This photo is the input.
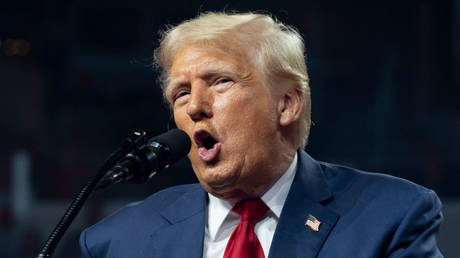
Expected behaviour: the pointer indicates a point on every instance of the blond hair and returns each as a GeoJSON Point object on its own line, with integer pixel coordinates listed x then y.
{"type": "Point", "coordinates": [277, 49]}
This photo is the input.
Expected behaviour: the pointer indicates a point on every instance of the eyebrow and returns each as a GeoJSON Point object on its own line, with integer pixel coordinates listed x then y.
{"type": "Point", "coordinates": [218, 69]}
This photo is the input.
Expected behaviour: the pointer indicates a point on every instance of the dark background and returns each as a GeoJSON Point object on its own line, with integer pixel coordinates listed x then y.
{"type": "Point", "coordinates": [76, 79]}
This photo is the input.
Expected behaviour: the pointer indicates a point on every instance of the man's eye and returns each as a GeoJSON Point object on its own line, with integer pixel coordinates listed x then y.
{"type": "Point", "coordinates": [180, 94]}
{"type": "Point", "coordinates": [223, 80]}
{"type": "Point", "coordinates": [223, 83]}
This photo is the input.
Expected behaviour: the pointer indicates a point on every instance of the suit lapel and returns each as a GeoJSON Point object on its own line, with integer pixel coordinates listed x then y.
{"type": "Point", "coordinates": [308, 191]}
{"type": "Point", "coordinates": [183, 235]}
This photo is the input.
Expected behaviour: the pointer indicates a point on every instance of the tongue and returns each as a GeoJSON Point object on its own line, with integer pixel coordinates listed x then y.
{"type": "Point", "coordinates": [208, 155]}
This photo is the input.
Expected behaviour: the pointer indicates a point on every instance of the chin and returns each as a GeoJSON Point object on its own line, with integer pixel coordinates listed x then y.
{"type": "Point", "coordinates": [217, 181]}
{"type": "Point", "coordinates": [231, 194]}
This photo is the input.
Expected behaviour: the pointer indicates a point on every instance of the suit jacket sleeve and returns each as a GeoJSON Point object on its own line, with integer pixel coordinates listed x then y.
{"type": "Point", "coordinates": [416, 235]}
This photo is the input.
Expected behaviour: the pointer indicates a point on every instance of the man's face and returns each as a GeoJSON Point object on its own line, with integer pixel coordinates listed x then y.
{"type": "Point", "coordinates": [219, 99]}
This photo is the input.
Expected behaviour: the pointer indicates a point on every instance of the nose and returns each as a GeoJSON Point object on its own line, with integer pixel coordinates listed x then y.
{"type": "Point", "coordinates": [200, 103]}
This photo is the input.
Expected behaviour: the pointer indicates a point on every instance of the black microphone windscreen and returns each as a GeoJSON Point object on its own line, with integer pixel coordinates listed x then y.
{"type": "Point", "coordinates": [177, 141]}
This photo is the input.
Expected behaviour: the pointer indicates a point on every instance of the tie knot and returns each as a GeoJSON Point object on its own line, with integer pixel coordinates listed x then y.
{"type": "Point", "coordinates": [250, 210]}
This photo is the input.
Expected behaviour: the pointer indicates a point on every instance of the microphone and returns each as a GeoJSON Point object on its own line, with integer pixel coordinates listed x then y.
{"type": "Point", "coordinates": [143, 163]}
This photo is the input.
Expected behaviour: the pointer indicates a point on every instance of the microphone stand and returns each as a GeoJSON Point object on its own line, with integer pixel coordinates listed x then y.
{"type": "Point", "coordinates": [134, 141]}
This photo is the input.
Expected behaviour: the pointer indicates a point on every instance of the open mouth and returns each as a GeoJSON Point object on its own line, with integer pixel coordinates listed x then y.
{"type": "Point", "coordinates": [204, 139]}
{"type": "Point", "coordinates": [208, 145]}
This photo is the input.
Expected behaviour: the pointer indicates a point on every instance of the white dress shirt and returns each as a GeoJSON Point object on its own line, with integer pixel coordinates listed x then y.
{"type": "Point", "coordinates": [221, 220]}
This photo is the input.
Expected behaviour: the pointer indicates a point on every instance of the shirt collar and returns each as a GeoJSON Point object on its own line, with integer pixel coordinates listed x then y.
{"type": "Point", "coordinates": [274, 198]}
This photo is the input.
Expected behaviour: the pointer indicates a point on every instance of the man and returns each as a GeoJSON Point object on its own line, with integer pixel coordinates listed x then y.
{"type": "Point", "coordinates": [238, 86]}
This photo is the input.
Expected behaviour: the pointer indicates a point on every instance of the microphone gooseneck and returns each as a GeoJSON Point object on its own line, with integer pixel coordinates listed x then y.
{"type": "Point", "coordinates": [136, 160]}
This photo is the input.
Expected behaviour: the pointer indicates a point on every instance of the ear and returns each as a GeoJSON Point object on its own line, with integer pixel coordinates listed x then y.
{"type": "Point", "coordinates": [290, 106]}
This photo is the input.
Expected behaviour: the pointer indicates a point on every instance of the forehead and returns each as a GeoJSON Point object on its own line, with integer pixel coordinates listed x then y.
{"type": "Point", "coordinates": [192, 59]}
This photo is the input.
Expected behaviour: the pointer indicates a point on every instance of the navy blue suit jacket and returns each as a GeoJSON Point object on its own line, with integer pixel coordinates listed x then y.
{"type": "Point", "coordinates": [361, 214]}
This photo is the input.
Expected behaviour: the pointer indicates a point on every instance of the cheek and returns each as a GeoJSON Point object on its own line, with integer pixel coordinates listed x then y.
{"type": "Point", "coordinates": [183, 122]}
{"type": "Point", "coordinates": [231, 114]}
{"type": "Point", "coordinates": [245, 118]}
{"type": "Point", "coordinates": [180, 119]}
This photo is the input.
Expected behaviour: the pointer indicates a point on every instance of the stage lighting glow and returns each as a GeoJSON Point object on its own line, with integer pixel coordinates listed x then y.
{"type": "Point", "coordinates": [16, 47]}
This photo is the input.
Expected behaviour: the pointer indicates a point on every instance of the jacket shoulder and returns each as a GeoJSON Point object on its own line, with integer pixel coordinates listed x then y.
{"type": "Point", "coordinates": [156, 202]}
{"type": "Point", "coordinates": [133, 223]}
{"type": "Point", "coordinates": [395, 217]}
{"type": "Point", "coordinates": [343, 180]}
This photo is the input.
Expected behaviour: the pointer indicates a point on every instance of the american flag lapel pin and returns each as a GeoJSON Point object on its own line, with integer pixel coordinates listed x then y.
{"type": "Point", "coordinates": [313, 223]}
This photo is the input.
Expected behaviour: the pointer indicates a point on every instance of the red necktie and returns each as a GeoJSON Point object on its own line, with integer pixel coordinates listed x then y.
{"type": "Point", "coordinates": [243, 242]}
